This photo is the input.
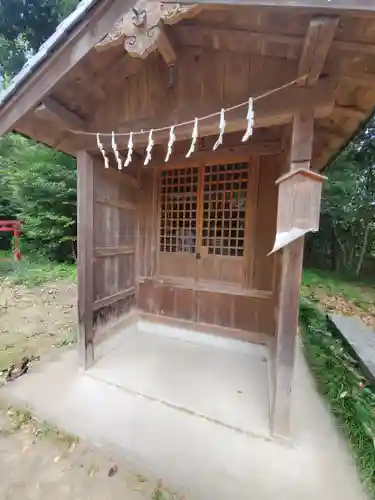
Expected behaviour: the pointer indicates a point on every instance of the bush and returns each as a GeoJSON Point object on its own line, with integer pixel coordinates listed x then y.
{"type": "Point", "coordinates": [41, 191]}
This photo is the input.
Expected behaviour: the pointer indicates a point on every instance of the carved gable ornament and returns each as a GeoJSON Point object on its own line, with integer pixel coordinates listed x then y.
{"type": "Point", "coordinates": [140, 29]}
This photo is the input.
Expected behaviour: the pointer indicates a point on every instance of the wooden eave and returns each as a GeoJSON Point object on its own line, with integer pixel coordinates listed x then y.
{"type": "Point", "coordinates": [267, 31]}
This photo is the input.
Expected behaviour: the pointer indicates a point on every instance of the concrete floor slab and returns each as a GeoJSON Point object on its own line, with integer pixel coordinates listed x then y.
{"type": "Point", "coordinates": [194, 455]}
{"type": "Point", "coordinates": [221, 379]}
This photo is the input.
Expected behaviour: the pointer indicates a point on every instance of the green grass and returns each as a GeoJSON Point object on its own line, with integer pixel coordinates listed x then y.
{"type": "Point", "coordinates": [339, 378]}
{"type": "Point", "coordinates": [34, 270]}
{"type": "Point", "coordinates": [317, 284]}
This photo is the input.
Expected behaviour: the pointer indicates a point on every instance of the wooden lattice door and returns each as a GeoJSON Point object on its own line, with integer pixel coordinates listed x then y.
{"type": "Point", "coordinates": [204, 222]}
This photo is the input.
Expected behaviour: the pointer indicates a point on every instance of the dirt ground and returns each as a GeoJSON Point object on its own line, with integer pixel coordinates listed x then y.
{"type": "Point", "coordinates": [37, 461]}
{"type": "Point", "coordinates": [34, 320]}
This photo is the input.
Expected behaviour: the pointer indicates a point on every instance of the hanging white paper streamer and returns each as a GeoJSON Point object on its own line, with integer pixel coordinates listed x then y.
{"type": "Point", "coordinates": [221, 130]}
{"type": "Point", "coordinates": [171, 140]}
{"type": "Point", "coordinates": [102, 150]}
{"type": "Point", "coordinates": [149, 148]}
{"type": "Point", "coordinates": [130, 150]}
{"type": "Point", "coordinates": [115, 152]}
{"type": "Point", "coordinates": [193, 139]}
{"type": "Point", "coordinates": [250, 121]}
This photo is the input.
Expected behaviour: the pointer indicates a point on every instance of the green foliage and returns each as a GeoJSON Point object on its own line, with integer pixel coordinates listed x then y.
{"type": "Point", "coordinates": [339, 379]}
{"type": "Point", "coordinates": [41, 191]}
{"type": "Point", "coordinates": [24, 26]}
{"type": "Point", "coordinates": [347, 237]}
{"type": "Point", "coordinates": [37, 185]}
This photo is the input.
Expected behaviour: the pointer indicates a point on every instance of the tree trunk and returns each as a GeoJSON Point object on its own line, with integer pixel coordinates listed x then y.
{"type": "Point", "coordinates": [341, 245]}
{"type": "Point", "coordinates": [363, 250]}
{"type": "Point", "coordinates": [333, 250]}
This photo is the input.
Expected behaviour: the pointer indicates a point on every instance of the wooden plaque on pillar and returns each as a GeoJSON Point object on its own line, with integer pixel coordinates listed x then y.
{"type": "Point", "coordinates": [298, 209]}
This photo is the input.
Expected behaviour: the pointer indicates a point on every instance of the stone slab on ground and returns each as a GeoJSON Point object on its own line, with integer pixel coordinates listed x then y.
{"type": "Point", "coordinates": [360, 338]}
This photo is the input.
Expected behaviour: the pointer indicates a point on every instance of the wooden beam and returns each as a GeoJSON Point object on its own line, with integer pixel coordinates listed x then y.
{"type": "Point", "coordinates": [166, 45]}
{"type": "Point", "coordinates": [235, 40]}
{"type": "Point", "coordinates": [276, 109]}
{"type": "Point", "coordinates": [113, 251]}
{"type": "Point", "coordinates": [316, 46]}
{"type": "Point", "coordinates": [289, 291]}
{"type": "Point", "coordinates": [359, 5]}
{"type": "Point", "coordinates": [320, 38]}
{"type": "Point", "coordinates": [85, 232]}
{"type": "Point", "coordinates": [79, 42]}
{"type": "Point", "coordinates": [52, 110]}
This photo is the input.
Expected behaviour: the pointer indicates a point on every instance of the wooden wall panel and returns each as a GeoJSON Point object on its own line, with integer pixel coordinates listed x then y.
{"type": "Point", "coordinates": [184, 304]}
{"type": "Point", "coordinates": [250, 314]}
{"type": "Point", "coordinates": [205, 80]}
{"type": "Point", "coordinates": [115, 219]}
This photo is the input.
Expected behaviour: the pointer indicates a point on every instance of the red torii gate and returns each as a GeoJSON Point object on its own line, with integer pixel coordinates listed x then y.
{"type": "Point", "coordinates": [15, 227]}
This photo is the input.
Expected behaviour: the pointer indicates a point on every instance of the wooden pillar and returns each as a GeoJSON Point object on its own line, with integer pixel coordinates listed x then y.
{"type": "Point", "coordinates": [289, 292]}
{"type": "Point", "coordinates": [85, 234]}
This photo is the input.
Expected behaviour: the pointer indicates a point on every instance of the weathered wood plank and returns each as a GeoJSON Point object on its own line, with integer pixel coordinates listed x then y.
{"type": "Point", "coordinates": [316, 46]}
{"type": "Point", "coordinates": [166, 45]}
{"type": "Point", "coordinates": [85, 166]}
{"type": "Point", "coordinates": [107, 301]}
{"type": "Point", "coordinates": [112, 251]}
{"type": "Point", "coordinates": [287, 320]}
{"type": "Point", "coordinates": [233, 333]}
{"type": "Point", "coordinates": [121, 204]}
{"type": "Point", "coordinates": [289, 289]}
{"type": "Point", "coordinates": [52, 110]}
{"type": "Point", "coordinates": [245, 41]}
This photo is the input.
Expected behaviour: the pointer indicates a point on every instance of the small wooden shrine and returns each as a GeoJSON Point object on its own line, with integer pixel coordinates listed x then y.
{"type": "Point", "coordinates": [199, 132]}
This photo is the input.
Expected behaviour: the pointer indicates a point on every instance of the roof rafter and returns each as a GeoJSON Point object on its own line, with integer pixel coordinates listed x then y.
{"type": "Point", "coordinates": [52, 110]}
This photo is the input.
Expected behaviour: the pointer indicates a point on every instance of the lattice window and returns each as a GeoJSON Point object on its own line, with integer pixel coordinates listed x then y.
{"type": "Point", "coordinates": [224, 206]}
{"type": "Point", "coordinates": [178, 217]}
{"type": "Point", "coordinates": [221, 203]}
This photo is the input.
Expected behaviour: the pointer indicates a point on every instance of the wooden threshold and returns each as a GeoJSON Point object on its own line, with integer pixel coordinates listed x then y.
{"type": "Point", "coordinates": [219, 331]}
{"type": "Point", "coordinates": [207, 286]}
